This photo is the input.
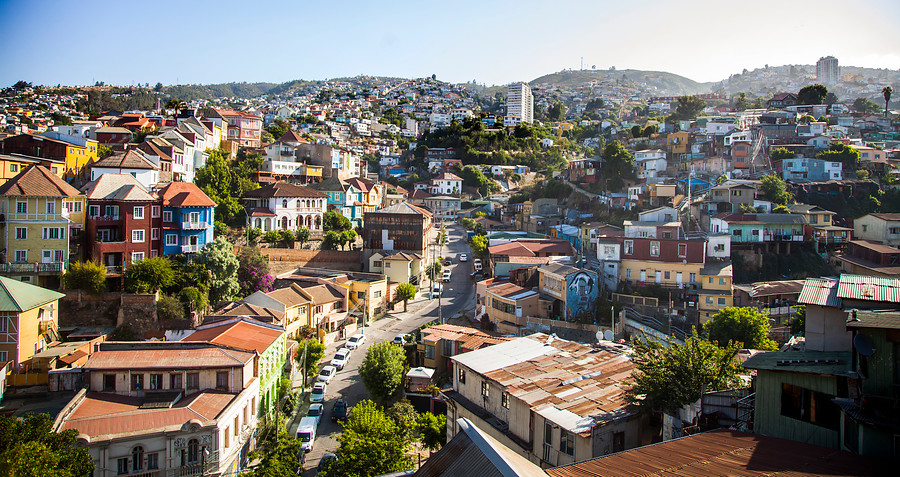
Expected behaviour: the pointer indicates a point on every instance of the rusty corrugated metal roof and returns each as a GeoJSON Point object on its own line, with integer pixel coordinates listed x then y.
{"type": "Point", "coordinates": [820, 291]}
{"type": "Point", "coordinates": [869, 288]}
{"type": "Point", "coordinates": [169, 357]}
{"type": "Point", "coordinates": [726, 452]}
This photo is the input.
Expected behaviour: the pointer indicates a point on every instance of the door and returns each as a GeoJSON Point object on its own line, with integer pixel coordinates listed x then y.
{"type": "Point", "coordinates": [643, 276]}
{"type": "Point", "coordinates": [658, 276]}
{"type": "Point", "coordinates": [679, 279]}
{"type": "Point", "coordinates": [47, 256]}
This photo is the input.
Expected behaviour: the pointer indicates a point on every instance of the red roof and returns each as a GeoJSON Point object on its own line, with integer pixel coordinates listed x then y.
{"type": "Point", "coordinates": [533, 248]}
{"type": "Point", "coordinates": [239, 334]}
{"type": "Point", "coordinates": [184, 194]}
{"type": "Point", "coordinates": [261, 213]}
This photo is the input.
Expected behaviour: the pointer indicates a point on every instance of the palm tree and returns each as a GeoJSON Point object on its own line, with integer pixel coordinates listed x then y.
{"type": "Point", "coordinates": [886, 92]}
{"type": "Point", "coordinates": [177, 105]}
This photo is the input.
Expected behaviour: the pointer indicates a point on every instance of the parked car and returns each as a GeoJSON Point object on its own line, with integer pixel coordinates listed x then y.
{"type": "Point", "coordinates": [326, 374]}
{"type": "Point", "coordinates": [447, 261]}
{"type": "Point", "coordinates": [340, 358]}
{"type": "Point", "coordinates": [318, 392]}
{"type": "Point", "coordinates": [400, 339]}
{"type": "Point", "coordinates": [306, 432]}
{"type": "Point", "coordinates": [463, 257]}
{"type": "Point", "coordinates": [339, 411]}
{"type": "Point", "coordinates": [316, 410]}
{"type": "Point", "coordinates": [446, 276]}
{"type": "Point", "coordinates": [356, 341]}
{"type": "Point", "coordinates": [435, 291]}
{"type": "Point", "coordinates": [477, 264]}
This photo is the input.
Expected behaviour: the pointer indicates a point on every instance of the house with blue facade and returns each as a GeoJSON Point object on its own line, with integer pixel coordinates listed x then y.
{"type": "Point", "coordinates": [811, 169]}
{"type": "Point", "coordinates": [567, 232]}
{"type": "Point", "coordinates": [343, 197]}
{"type": "Point", "coordinates": [187, 221]}
{"type": "Point", "coordinates": [570, 291]}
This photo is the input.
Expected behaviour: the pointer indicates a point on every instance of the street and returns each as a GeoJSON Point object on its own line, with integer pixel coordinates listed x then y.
{"type": "Point", "coordinates": [458, 296]}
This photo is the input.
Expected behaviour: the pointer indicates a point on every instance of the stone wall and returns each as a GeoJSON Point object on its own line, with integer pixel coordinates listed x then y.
{"type": "Point", "coordinates": [285, 259]}
{"type": "Point", "coordinates": [111, 309]}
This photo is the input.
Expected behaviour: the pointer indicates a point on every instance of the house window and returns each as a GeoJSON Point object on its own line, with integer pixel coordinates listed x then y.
{"type": "Point", "coordinates": [682, 249]}
{"type": "Point", "coordinates": [22, 208]}
{"type": "Point", "coordinates": [709, 300]}
{"type": "Point", "coordinates": [167, 216]}
{"type": "Point", "coordinates": [376, 294]}
{"type": "Point", "coordinates": [21, 233]}
{"type": "Point", "coordinates": [175, 381]}
{"type": "Point", "coordinates": [156, 381]}
{"type": "Point", "coordinates": [376, 264]}
{"type": "Point", "coordinates": [193, 380]}
{"type": "Point", "coordinates": [462, 376]}
{"type": "Point", "coordinates": [51, 208]}
{"type": "Point", "coordinates": [429, 351]}
{"type": "Point", "coordinates": [21, 256]}
{"type": "Point", "coordinates": [154, 211]}
{"type": "Point", "coordinates": [721, 301]}
{"type": "Point", "coordinates": [722, 280]}
{"type": "Point", "coordinates": [222, 380]}
{"type": "Point", "coordinates": [138, 212]}
{"type": "Point", "coordinates": [864, 227]}
{"type": "Point", "coordinates": [13, 168]}
{"type": "Point", "coordinates": [154, 234]}
{"type": "Point", "coordinates": [629, 247]}
{"type": "Point", "coordinates": [94, 210]}
{"type": "Point", "coordinates": [171, 239]}
{"type": "Point", "coordinates": [627, 273]}
{"type": "Point", "coordinates": [668, 275]}
{"type": "Point", "coordinates": [122, 466]}
{"type": "Point", "coordinates": [654, 249]}
{"type": "Point", "coordinates": [566, 442]}
{"type": "Point", "coordinates": [137, 458]}
{"type": "Point", "coordinates": [137, 381]}
{"type": "Point", "coordinates": [618, 442]}
{"type": "Point", "coordinates": [485, 389]}
{"type": "Point", "coordinates": [137, 236]}
{"type": "Point", "coordinates": [809, 406]}
{"type": "Point", "coordinates": [73, 206]}
{"type": "Point", "coordinates": [736, 232]}
{"type": "Point", "coordinates": [54, 233]}
{"type": "Point", "coordinates": [152, 461]}
{"type": "Point", "coordinates": [667, 235]}
{"type": "Point", "coordinates": [693, 278]}
{"type": "Point", "coordinates": [109, 382]}
{"type": "Point", "coordinates": [504, 400]}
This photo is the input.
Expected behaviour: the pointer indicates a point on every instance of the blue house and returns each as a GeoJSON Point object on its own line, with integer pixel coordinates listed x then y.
{"type": "Point", "coordinates": [188, 218]}
{"type": "Point", "coordinates": [571, 291]}
{"type": "Point", "coordinates": [342, 197]}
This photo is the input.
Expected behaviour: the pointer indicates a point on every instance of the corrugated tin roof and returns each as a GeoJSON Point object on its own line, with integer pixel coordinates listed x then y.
{"type": "Point", "coordinates": [19, 296]}
{"type": "Point", "coordinates": [168, 356]}
{"type": "Point", "coordinates": [869, 288]}
{"type": "Point", "coordinates": [726, 452]}
{"type": "Point", "coordinates": [833, 363]}
{"type": "Point", "coordinates": [875, 319]}
{"type": "Point", "coordinates": [820, 291]}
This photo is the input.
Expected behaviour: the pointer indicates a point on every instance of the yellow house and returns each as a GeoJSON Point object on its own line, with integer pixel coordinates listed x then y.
{"type": "Point", "coordinates": [716, 290]}
{"type": "Point", "coordinates": [28, 320]}
{"type": "Point", "coordinates": [292, 301]}
{"type": "Point", "coordinates": [12, 164]}
{"type": "Point", "coordinates": [398, 266]}
{"type": "Point", "coordinates": [368, 294]}
{"type": "Point", "coordinates": [79, 156]}
{"type": "Point", "coordinates": [677, 143]}
{"type": "Point", "coordinates": [42, 220]}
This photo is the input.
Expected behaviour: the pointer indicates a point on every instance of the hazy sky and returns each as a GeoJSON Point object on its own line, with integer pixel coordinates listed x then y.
{"type": "Point", "coordinates": [492, 42]}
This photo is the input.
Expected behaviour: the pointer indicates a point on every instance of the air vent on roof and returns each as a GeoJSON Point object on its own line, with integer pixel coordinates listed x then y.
{"type": "Point", "coordinates": [580, 378]}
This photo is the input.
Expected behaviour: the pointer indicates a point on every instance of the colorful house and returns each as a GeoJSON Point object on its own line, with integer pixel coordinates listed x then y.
{"type": "Point", "coordinates": [187, 218]}
{"type": "Point", "coordinates": [342, 197]}
{"type": "Point", "coordinates": [573, 291]}
{"type": "Point", "coordinates": [28, 320]}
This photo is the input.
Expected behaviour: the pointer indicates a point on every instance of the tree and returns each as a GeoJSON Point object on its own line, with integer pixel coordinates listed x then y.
{"type": "Point", "coordinates": [741, 104]}
{"type": "Point", "coordinates": [406, 292]}
{"type": "Point", "coordinates": [807, 118]}
{"type": "Point", "coordinates": [721, 179]}
{"type": "Point", "coordinates": [812, 94]}
{"type": "Point", "coordinates": [618, 165]}
{"type": "Point", "coordinates": [302, 235]}
{"type": "Point", "coordinates": [333, 221]}
{"type": "Point", "coordinates": [371, 444]}
{"type": "Point", "coordinates": [288, 238]}
{"type": "Point", "coordinates": [432, 430]}
{"type": "Point", "coordinates": [886, 92]}
{"type": "Point", "coordinates": [688, 107]}
{"type": "Point", "coordinates": [149, 275]}
{"type": "Point", "coordinates": [780, 153]}
{"type": "Point", "coordinates": [779, 209]}
{"type": "Point", "coordinates": [176, 105]}
{"type": "Point", "coordinates": [314, 351]}
{"type": "Point", "coordinates": [88, 276]}
{"type": "Point", "coordinates": [21, 84]}
{"type": "Point", "coordinates": [272, 236]}
{"type": "Point", "coordinates": [744, 326]}
{"type": "Point", "coordinates": [276, 457]}
{"type": "Point", "coordinates": [253, 272]}
{"type": "Point", "coordinates": [382, 370]}
{"type": "Point", "coordinates": [404, 415]}
{"type": "Point", "coordinates": [468, 223]}
{"type": "Point", "coordinates": [557, 111]}
{"type": "Point", "coordinates": [840, 152]}
{"type": "Point", "coordinates": [219, 258]}
{"type": "Point", "coordinates": [862, 174]}
{"type": "Point", "coordinates": [864, 106]}
{"type": "Point", "coordinates": [216, 180]}
{"type": "Point", "coordinates": [331, 240]}
{"type": "Point", "coordinates": [104, 151]}
{"type": "Point", "coordinates": [194, 299]}
{"type": "Point", "coordinates": [831, 98]}
{"type": "Point", "coordinates": [774, 189]}
{"type": "Point", "coordinates": [169, 308]}
{"type": "Point", "coordinates": [479, 245]}
{"type": "Point", "coordinates": [158, 88]}
{"type": "Point", "coordinates": [669, 377]}
{"type": "Point", "coordinates": [348, 237]}
{"type": "Point", "coordinates": [798, 321]}
{"type": "Point", "coordinates": [28, 446]}
{"type": "Point", "coordinates": [433, 270]}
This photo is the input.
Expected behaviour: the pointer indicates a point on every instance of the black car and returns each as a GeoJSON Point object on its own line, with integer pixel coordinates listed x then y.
{"type": "Point", "coordinates": [339, 411]}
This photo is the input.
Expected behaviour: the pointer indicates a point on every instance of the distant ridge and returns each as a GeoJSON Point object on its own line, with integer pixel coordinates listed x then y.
{"type": "Point", "coordinates": [666, 83]}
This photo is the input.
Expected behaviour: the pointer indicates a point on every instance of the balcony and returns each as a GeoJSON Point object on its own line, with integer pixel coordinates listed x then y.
{"type": "Point", "coordinates": [190, 248]}
{"type": "Point", "coordinates": [104, 218]}
{"type": "Point", "coordinates": [287, 152]}
{"type": "Point", "coordinates": [48, 268]}
{"type": "Point", "coordinates": [193, 225]}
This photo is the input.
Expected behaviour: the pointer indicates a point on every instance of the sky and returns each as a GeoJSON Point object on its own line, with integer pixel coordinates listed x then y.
{"type": "Point", "coordinates": [492, 42]}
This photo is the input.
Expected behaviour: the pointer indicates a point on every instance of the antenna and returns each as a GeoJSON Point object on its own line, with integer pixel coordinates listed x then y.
{"type": "Point", "coordinates": [863, 345]}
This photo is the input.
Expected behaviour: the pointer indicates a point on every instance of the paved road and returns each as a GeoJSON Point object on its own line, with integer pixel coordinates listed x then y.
{"type": "Point", "coordinates": [458, 296]}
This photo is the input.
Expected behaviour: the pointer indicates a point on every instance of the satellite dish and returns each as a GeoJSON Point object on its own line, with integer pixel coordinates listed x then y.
{"type": "Point", "coordinates": [863, 345]}
{"type": "Point", "coordinates": [608, 334]}
{"type": "Point", "coordinates": [600, 335]}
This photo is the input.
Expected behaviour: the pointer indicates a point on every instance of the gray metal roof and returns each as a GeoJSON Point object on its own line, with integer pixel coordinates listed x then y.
{"type": "Point", "coordinates": [820, 291]}
{"type": "Point", "coordinates": [864, 287]}
{"type": "Point", "coordinates": [875, 319]}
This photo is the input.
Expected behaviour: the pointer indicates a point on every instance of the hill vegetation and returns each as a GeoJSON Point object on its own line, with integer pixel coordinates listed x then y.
{"type": "Point", "coordinates": [666, 83]}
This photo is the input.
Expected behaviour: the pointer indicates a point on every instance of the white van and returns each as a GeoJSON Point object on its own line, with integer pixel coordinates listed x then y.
{"type": "Point", "coordinates": [306, 432]}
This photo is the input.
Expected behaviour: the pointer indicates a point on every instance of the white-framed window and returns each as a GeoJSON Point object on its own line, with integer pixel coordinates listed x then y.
{"type": "Point", "coordinates": [137, 256]}
{"type": "Point", "coordinates": [21, 207]}
{"type": "Point", "coordinates": [171, 239]}
{"type": "Point", "coordinates": [154, 211]}
{"type": "Point", "coordinates": [72, 206]}
{"type": "Point", "coordinates": [51, 208]}
{"type": "Point", "coordinates": [4, 355]}
{"type": "Point", "coordinates": [94, 210]}
{"type": "Point", "coordinates": [137, 236]}
{"type": "Point", "coordinates": [154, 234]}
{"type": "Point", "coordinates": [722, 301]}
{"type": "Point", "coordinates": [54, 233]}
{"type": "Point", "coordinates": [21, 256]}
{"type": "Point", "coordinates": [654, 249]}
{"type": "Point", "coordinates": [21, 233]}
{"type": "Point", "coordinates": [167, 216]}
{"type": "Point", "coordinates": [139, 212]}
{"type": "Point", "coordinates": [629, 247]}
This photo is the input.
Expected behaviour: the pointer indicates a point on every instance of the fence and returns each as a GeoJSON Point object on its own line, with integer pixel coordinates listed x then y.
{"type": "Point", "coordinates": [667, 327]}
{"type": "Point", "coordinates": [566, 324]}
{"type": "Point", "coordinates": [635, 300]}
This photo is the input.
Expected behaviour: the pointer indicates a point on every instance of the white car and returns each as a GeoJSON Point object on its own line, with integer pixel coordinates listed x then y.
{"type": "Point", "coordinates": [318, 392]}
{"type": "Point", "coordinates": [436, 291]}
{"type": "Point", "coordinates": [316, 410]}
{"type": "Point", "coordinates": [399, 339]}
{"type": "Point", "coordinates": [306, 432]}
{"type": "Point", "coordinates": [463, 257]}
{"type": "Point", "coordinates": [446, 276]}
{"type": "Point", "coordinates": [340, 358]}
{"type": "Point", "coordinates": [356, 341]}
{"type": "Point", "coordinates": [477, 264]}
{"type": "Point", "coordinates": [326, 374]}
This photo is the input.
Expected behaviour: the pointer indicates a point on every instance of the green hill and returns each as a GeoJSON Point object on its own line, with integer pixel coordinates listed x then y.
{"type": "Point", "coordinates": [667, 83]}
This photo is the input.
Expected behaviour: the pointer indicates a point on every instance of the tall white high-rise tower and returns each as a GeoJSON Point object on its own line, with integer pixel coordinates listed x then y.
{"type": "Point", "coordinates": [520, 102]}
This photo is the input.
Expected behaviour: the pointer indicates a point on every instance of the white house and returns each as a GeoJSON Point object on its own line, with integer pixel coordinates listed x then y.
{"type": "Point", "coordinates": [285, 206]}
{"type": "Point", "coordinates": [185, 166]}
{"type": "Point", "coordinates": [609, 254]}
{"type": "Point", "coordinates": [133, 162]}
{"type": "Point", "coordinates": [650, 163]}
{"type": "Point", "coordinates": [446, 183]}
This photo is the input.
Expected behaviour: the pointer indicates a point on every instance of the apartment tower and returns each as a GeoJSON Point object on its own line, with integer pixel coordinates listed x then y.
{"type": "Point", "coordinates": [827, 70]}
{"type": "Point", "coordinates": [520, 102]}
